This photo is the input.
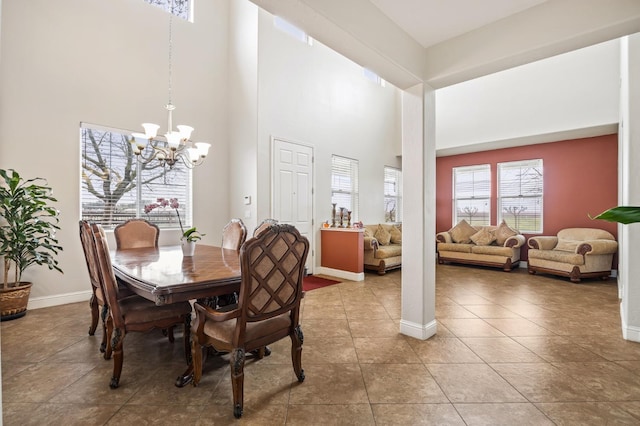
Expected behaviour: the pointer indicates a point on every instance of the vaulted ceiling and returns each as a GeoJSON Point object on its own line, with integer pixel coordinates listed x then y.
{"type": "Point", "coordinates": [446, 42]}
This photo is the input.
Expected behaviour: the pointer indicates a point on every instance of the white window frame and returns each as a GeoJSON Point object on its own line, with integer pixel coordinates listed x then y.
{"type": "Point", "coordinates": [472, 190]}
{"type": "Point", "coordinates": [527, 186]}
{"type": "Point", "coordinates": [159, 182]}
{"type": "Point", "coordinates": [344, 184]}
{"type": "Point", "coordinates": [392, 194]}
{"type": "Point", "coordinates": [292, 30]}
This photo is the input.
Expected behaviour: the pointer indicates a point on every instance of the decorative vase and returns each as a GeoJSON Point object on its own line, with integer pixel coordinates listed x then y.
{"type": "Point", "coordinates": [333, 215]}
{"type": "Point", "coordinates": [348, 218]}
{"type": "Point", "coordinates": [188, 248]}
{"type": "Point", "coordinates": [342, 214]}
{"type": "Point", "coordinates": [14, 300]}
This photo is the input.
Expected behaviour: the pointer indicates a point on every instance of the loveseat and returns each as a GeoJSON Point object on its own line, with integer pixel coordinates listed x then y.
{"type": "Point", "coordinates": [575, 253]}
{"type": "Point", "coordinates": [382, 247]}
{"type": "Point", "coordinates": [497, 246]}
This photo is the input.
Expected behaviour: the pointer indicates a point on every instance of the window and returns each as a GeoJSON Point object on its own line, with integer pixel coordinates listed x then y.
{"type": "Point", "coordinates": [292, 30]}
{"type": "Point", "coordinates": [116, 187]}
{"type": "Point", "coordinates": [472, 194]}
{"type": "Point", "coordinates": [344, 184]}
{"type": "Point", "coordinates": [520, 187]}
{"type": "Point", "coordinates": [370, 75]}
{"type": "Point", "coordinates": [180, 8]}
{"type": "Point", "coordinates": [392, 194]}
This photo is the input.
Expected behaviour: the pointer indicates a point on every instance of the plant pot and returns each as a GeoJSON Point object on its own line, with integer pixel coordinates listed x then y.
{"type": "Point", "coordinates": [188, 248]}
{"type": "Point", "coordinates": [14, 300]}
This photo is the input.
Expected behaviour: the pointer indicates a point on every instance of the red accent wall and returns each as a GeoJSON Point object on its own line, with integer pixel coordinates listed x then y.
{"type": "Point", "coordinates": [580, 179]}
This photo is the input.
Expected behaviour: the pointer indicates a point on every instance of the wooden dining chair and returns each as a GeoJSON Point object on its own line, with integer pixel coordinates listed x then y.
{"type": "Point", "coordinates": [268, 310]}
{"type": "Point", "coordinates": [234, 234]}
{"type": "Point", "coordinates": [264, 225]}
{"type": "Point", "coordinates": [133, 313]}
{"type": "Point", "coordinates": [97, 300]}
{"type": "Point", "coordinates": [136, 233]}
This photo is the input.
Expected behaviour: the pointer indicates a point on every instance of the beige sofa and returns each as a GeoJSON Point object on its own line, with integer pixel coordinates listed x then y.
{"type": "Point", "coordinates": [497, 246]}
{"type": "Point", "coordinates": [575, 253]}
{"type": "Point", "coordinates": [382, 247]}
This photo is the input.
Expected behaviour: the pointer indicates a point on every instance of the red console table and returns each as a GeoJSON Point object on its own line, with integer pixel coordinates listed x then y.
{"type": "Point", "coordinates": [343, 249]}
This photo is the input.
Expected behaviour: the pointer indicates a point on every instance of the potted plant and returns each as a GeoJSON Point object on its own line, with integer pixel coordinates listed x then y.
{"type": "Point", "coordinates": [28, 224]}
{"type": "Point", "coordinates": [190, 236]}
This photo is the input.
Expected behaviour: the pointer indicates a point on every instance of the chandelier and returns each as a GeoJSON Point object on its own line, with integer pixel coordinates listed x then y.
{"type": "Point", "coordinates": [177, 144]}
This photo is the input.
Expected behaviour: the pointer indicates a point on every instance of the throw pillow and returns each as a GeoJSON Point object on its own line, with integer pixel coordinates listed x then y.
{"type": "Point", "coordinates": [462, 232]}
{"type": "Point", "coordinates": [483, 237]}
{"type": "Point", "coordinates": [382, 235]}
{"type": "Point", "coordinates": [503, 232]}
{"type": "Point", "coordinates": [396, 235]}
{"type": "Point", "coordinates": [567, 245]}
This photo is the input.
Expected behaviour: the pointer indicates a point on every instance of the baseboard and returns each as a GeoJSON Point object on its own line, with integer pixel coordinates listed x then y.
{"type": "Point", "coordinates": [59, 299]}
{"type": "Point", "coordinates": [351, 276]}
{"type": "Point", "coordinates": [418, 331]}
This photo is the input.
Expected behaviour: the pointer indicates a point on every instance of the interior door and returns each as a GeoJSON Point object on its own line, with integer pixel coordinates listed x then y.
{"type": "Point", "coordinates": [292, 183]}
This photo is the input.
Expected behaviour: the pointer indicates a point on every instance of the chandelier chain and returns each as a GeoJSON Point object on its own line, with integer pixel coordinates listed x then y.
{"type": "Point", "coordinates": [170, 50]}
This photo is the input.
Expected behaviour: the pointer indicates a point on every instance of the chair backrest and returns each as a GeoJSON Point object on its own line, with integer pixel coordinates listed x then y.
{"type": "Point", "coordinates": [584, 234]}
{"type": "Point", "coordinates": [272, 266]}
{"type": "Point", "coordinates": [264, 225]}
{"type": "Point", "coordinates": [234, 234]}
{"type": "Point", "coordinates": [107, 277]}
{"type": "Point", "coordinates": [88, 247]}
{"type": "Point", "coordinates": [136, 233]}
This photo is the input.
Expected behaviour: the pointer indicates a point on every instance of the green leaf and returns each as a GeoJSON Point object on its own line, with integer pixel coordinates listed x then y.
{"type": "Point", "coordinates": [621, 214]}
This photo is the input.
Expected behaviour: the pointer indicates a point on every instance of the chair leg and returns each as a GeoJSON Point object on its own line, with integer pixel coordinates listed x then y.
{"type": "Point", "coordinates": [196, 360]}
{"type": "Point", "coordinates": [170, 334]}
{"type": "Point", "coordinates": [187, 338]}
{"type": "Point", "coordinates": [104, 314]}
{"type": "Point", "coordinates": [118, 357]}
{"type": "Point", "coordinates": [93, 304]}
{"type": "Point", "coordinates": [237, 380]}
{"type": "Point", "coordinates": [109, 333]}
{"type": "Point", "coordinates": [296, 352]}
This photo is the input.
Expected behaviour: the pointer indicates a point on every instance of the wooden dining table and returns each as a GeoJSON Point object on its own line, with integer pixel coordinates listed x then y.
{"type": "Point", "coordinates": [163, 275]}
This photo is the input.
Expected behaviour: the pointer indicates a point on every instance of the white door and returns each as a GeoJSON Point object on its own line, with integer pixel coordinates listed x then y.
{"type": "Point", "coordinates": [292, 183]}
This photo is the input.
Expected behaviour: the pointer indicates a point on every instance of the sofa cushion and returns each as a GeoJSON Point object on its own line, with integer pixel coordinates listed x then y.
{"type": "Point", "coordinates": [557, 256]}
{"type": "Point", "coordinates": [567, 245]}
{"type": "Point", "coordinates": [385, 252]}
{"type": "Point", "coordinates": [483, 237]}
{"type": "Point", "coordinates": [492, 250]}
{"type": "Point", "coordinates": [462, 232]}
{"type": "Point", "coordinates": [503, 232]}
{"type": "Point", "coordinates": [382, 235]}
{"type": "Point", "coordinates": [457, 247]}
{"type": "Point", "coordinates": [396, 235]}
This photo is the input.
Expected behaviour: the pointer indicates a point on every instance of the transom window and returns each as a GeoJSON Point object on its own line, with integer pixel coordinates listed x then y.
{"type": "Point", "coordinates": [115, 187]}
{"type": "Point", "coordinates": [520, 192]}
{"type": "Point", "coordinates": [472, 194]}
{"type": "Point", "coordinates": [344, 184]}
{"type": "Point", "coordinates": [392, 194]}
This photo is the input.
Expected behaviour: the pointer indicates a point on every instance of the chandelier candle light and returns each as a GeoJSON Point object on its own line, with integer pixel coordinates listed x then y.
{"type": "Point", "coordinates": [178, 143]}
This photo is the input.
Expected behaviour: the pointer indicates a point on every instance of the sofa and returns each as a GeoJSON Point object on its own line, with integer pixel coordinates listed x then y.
{"type": "Point", "coordinates": [496, 246]}
{"type": "Point", "coordinates": [382, 247]}
{"type": "Point", "coordinates": [574, 252]}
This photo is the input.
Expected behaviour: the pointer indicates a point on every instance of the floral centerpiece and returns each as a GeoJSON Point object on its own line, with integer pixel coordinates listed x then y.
{"type": "Point", "coordinates": [190, 236]}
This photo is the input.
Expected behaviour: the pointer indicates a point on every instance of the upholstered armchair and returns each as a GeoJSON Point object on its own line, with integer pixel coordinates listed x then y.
{"type": "Point", "coordinates": [575, 253]}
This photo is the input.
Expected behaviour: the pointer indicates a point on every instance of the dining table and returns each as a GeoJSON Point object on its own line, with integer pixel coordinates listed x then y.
{"type": "Point", "coordinates": [163, 275]}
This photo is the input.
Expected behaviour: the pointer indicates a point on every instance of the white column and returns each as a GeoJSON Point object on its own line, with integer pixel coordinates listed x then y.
{"type": "Point", "coordinates": [629, 186]}
{"type": "Point", "coordinates": [418, 210]}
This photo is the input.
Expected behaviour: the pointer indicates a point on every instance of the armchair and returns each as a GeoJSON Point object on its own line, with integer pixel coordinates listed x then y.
{"type": "Point", "coordinates": [575, 253]}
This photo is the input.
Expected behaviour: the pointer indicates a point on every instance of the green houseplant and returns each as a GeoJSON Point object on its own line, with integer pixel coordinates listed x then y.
{"type": "Point", "coordinates": [621, 214]}
{"type": "Point", "coordinates": [28, 224]}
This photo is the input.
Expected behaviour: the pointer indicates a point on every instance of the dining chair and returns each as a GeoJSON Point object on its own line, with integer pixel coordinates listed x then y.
{"type": "Point", "coordinates": [234, 234]}
{"type": "Point", "coordinates": [97, 300]}
{"type": "Point", "coordinates": [264, 225]}
{"type": "Point", "coordinates": [272, 268]}
{"type": "Point", "coordinates": [133, 313]}
{"type": "Point", "coordinates": [136, 233]}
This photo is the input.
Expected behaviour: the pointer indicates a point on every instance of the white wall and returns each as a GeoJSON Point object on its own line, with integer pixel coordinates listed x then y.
{"type": "Point", "coordinates": [105, 62]}
{"type": "Point", "coordinates": [312, 95]}
{"type": "Point", "coordinates": [573, 91]}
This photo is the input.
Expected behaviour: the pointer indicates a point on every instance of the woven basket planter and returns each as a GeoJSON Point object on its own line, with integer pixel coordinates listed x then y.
{"type": "Point", "coordinates": [14, 300]}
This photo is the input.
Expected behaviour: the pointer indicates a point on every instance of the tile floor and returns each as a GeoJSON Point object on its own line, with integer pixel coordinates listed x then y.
{"type": "Point", "coordinates": [511, 349]}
